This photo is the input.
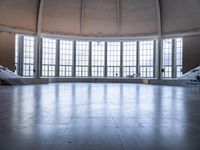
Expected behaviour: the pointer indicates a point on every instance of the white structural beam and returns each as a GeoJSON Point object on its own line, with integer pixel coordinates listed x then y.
{"type": "Point", "coordinates": [16, 30]}
{"type": "Point", "coordinates": [159, 32]}
{"type": "Point", "coordinates": [82, 16]}
{"type": "Point", "coordinates": [181, 34]}
{"type": "Point", "coordinates": [159, 19]}
{"type": "Point", "coordinates": [138, 37]}
{"type": "Point", "coordinates": [118, 17]}
{"type": "Point", "coordinates": [38, 53]}
{"type": "Point", "coordinates": [39, 16]}
{"type": "Point", "coordinates": [135, 38]}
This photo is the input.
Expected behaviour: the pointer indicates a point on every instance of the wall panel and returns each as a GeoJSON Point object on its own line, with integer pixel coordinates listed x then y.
{"type": "Point", "coordinates": [62, 16]}
{"type": "Point", "coordinates": [19, 13]}
{"type": "Point", "coordinates": [7, 50]}
{"type": "Point", "coordinates": [180, 15]}
{"type": "Point", "coordinates": [191, 53]}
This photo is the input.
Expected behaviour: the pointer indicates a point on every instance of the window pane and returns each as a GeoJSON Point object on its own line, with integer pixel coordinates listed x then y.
{"type": "Point", "coordinates": [82, 56]}
{"type": "Point", "coordinates": [98, 57]}
{"type": "Point", "coordinates": [48, 57]}
{"type": "Point", "coordinates": [146, 52]}
{"type": "Point", "coordinates": [28, 60]}
{"type": "Point", "coordinates": [179, 56]}
{"type": "Point", "coordinates": [16, 53]}
{"type": "Point", "coordinates": [167, 58]}
{"type": "Point", "coordinates": [66, 55]}
{"type": "Point", "coordinates": [113, 59]}
{"type": "Point", "coordinates": [129, 58]}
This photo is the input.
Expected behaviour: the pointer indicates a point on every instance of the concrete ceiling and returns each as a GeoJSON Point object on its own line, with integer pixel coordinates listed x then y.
{"type": "Point", "coordinates": [101, 18]}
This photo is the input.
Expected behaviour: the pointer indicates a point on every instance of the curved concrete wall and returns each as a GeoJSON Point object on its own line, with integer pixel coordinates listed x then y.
{"type": "Point", "coordinates": [7, 50]}
{"type": "Point", "coordinates": [100, 18]}
{"type": "Point", "coordinates": [180, 15]}
{"type": "Point", "coordinates": [20, 14]}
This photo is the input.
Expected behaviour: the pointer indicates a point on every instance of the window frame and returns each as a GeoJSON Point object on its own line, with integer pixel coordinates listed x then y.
{"type": "Point", "coordinates": [113, 59]}
{"type": "Point", "coordinates": [129, 58]}
{"type": "Point", "coordinates": [28, 56]}
{"type": "Point", "coordinates": [48, 58]}
{"type": "Point", "coordinates": [97, 59]}
{"type": "Point", "coordinates": [167, 58]}
{"type": "Point", "coordinates": [66, 58]}
{"type": "Point", "coordinates": [82, 61]}
{"type": "Point", "coordinates": [146, 59]}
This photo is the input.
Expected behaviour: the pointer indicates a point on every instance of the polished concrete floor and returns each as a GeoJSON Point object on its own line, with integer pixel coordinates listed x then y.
{"type": "Point", "coordinates": [84, 116]}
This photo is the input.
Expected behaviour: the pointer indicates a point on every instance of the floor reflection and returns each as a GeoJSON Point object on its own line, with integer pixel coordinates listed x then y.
{"type": "Point", "coordinates": [99, 116]}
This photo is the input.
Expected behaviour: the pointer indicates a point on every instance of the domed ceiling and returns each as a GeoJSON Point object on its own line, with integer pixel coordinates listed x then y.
{"type": "Point", "coordinates": [101, 18]}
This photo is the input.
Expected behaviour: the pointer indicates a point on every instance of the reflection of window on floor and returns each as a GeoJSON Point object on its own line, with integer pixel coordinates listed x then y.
{"type": "Point", "coordinates": [48, 57]}
{"type": "Point", "coordinates": [167, 58]}
{"type": "Point", "coordinates": [179, 56]}
{"type": "Point", "coordinates": [28, 58]}
{"type": "Point", "coordinates": [129, 58]}
{"type": "Point", "coordinates": [146, 51]}
{"type": "Point", "coordinates": [82, 59]}
{"type": "Point", "coordinates": [98, 57]}
{"type": "Point", "coordinates": [113, 59]}
{"type": "Point", "coordinates": [66, 55]}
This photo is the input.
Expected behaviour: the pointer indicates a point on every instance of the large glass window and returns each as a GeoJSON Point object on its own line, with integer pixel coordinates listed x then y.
{"type": "Point", "coordinates": [28, 56]}
{"type": "Point", "coordinates": [129, 58]}
{"type": "Point", "coordinates": [113, 59]}
{"type": "Point", "coordinates": [24, 58]}
{"type": "Point", "coordinates": [167, 58]}
{"type": "Point", "coordinates": [146, 52]}
{"type": "Point", "coordinates": [48, 57]}
{"type": "Point", "coordinates": [98, 57]}
{"type": "Point", "coordinates": [17, 54]}
{"type": "Point", "coordinates": [82, 59]}
{"type": "Point", "coordinates": [66, 55]}
{"type": "Point", "coordinates": [179, 56]}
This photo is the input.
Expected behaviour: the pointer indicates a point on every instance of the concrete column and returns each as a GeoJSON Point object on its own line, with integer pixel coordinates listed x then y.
{"type": "Point", "coordinates": [138, 59]}
{"type": "Point", "coordinates": [160, 57]}
{"type": "Point", "coordinates": [90, 60]}
{"type": "Point", "coordinates": [121, 59]}
{"type": "Point", "coordinates": [105, 61]}
{"type": "Point", "coordinates": [21, 54]}
{"type": "Point", "coordinates": [35, 71]}
{"type": "Point", "coordinates": [57, 69]}
{"type": "Point", "coordinates": [74, 60]}
{"type": "Point", "coordinates": [174, 58]}
{"type": "Point", "coordinates": [40, 57]}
